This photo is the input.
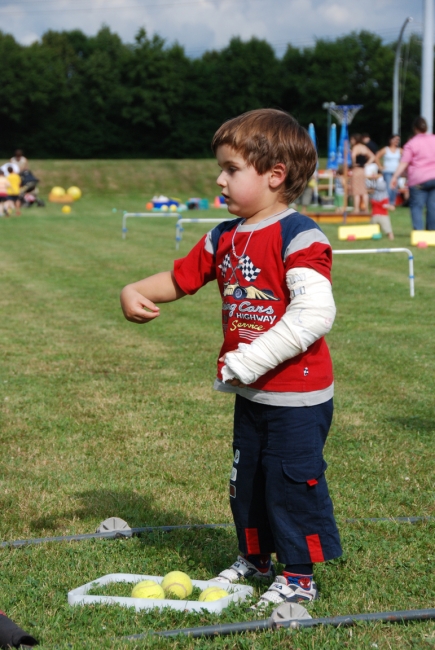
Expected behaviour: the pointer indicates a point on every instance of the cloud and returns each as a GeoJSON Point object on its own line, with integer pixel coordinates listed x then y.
{"type": "Point", "coordinates": [209, 24]}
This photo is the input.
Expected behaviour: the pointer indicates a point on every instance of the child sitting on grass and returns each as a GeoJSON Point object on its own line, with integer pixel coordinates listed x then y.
{"type": "Point", "coordinates": [273, 268]}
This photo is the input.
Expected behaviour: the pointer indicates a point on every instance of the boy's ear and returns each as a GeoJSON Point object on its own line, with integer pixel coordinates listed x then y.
{"type": "Point", "coordinates": [277, 175]}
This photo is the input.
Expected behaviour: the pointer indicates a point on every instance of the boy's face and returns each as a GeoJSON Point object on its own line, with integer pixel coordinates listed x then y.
{"type": "Point", "coordinates": [246, 191]}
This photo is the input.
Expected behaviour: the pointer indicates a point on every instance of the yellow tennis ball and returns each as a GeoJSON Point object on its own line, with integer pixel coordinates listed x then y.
{"type": "Point", "coordinates": [212, 593]}
{"type": "Point", "coordinates": [164, 208]}
{"type": "Point", "coordinates": [66, 209]}
{"type": "Point", "coordinates": [57, 191]}
{"type": "Point", "coordinates": [173, 208]}
{"type": "Point", "coordinates": [148, 589]}
{"type": "Point", "coordinates": [74, 192]}
{"type": "Point", "coordinates": [178, 584]}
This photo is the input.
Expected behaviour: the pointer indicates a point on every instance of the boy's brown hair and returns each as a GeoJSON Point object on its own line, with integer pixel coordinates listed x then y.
{"type": "Point", "coordinates": [265, 137]}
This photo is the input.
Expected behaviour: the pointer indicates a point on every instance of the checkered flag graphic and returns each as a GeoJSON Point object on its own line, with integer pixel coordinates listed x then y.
{"type": "Point", "coordinates": [249, 271]}
{"type": "Point", "coordinates": [226, 264]}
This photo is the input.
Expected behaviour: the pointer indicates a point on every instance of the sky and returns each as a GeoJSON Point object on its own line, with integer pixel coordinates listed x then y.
{"type": "Point", "coordinates": [201, 25]}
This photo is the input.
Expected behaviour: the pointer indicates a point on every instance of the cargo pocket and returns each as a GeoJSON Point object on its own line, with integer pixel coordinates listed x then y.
{"type": "Point", "coordinates": [305, 484]}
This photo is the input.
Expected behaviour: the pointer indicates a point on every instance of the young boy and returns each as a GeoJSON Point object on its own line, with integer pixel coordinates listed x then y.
{"type": "Point", "coordinates": [273, 269]}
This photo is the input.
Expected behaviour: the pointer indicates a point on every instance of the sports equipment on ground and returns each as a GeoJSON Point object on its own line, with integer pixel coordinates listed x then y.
{"type": "Point", "coordinates": [173, 208]}
{"type": "Point", "coordinates": [57, 191]}
{"type": "Point", "coordinates": [66, 209]}
{"type": "Point", "coordinates": [147, 589]}
{"type": "Point", "coordinates": [75, 192]}
{"type": "Point", "coordinates": [212, 593]}
{"type": "Point", "coordinates": [177, 583]}
{"type": "Point", "coordinates": [282, 592]}
{"type": "Point", "coordinates": [242, 569]}
{"type": "Point", "coordinates": [423, 238]}
{"type": "Point", "coordinates": [164, 208]}
{"type": "Point", "coordinates": [149, 205]}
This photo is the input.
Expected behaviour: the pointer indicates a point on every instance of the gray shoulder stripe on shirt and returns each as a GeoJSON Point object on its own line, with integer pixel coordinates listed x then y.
{"type": "Point", "coordinates": [304, 240]}
{"type": "Point", "coordinates": [208, 243]}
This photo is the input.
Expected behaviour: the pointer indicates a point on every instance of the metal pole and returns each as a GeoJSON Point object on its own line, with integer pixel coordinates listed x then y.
{"type": "Point", "coordinates": [427, 65]}
{"type": "Point", "coordinates": [358, 251]}
{"type": "Point", "coordinates": [212, 631]}
{"type": "Point", "coordinates": [396, 102]}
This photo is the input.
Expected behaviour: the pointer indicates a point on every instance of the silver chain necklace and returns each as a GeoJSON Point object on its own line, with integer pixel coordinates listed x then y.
{"type": "Point", "coordinates": [233, 247]}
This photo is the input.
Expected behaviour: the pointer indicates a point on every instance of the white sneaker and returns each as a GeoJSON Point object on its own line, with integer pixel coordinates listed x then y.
{"type": "Point", "coordinates": [282, 592]}
{"type": "Point", "coordinates": [242, 569]}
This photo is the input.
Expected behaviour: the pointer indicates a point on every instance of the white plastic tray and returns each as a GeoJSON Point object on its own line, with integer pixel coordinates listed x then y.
{"type": "Point", "coordinates": [79, 595]}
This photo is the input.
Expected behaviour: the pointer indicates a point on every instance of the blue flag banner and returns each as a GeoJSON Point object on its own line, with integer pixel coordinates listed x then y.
{"type": "Point", "coordinates": [332, 148]}
{"type": "Point", "coordinates": [343, 137]}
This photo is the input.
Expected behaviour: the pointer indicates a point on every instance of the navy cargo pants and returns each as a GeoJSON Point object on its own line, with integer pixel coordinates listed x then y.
{"type": "Point", "coordinates": [278, 491]}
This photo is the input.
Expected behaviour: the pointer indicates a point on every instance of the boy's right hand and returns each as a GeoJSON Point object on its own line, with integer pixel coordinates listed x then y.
{"type": "Point", "coordinates": [136, 307]}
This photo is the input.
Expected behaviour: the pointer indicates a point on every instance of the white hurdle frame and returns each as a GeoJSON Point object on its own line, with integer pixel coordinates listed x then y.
{"type": "Point", "coordinates": [129, 215]}
{"type": "Point", "coordinates": [179, 230]}
{"type": "Point", "coordinates": [387, 250]}
{"type": "Point", "coordinates": [179, 227]}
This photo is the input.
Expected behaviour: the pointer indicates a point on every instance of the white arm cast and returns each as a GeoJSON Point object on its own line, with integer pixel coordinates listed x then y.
{"type": "Point", "coordinates": [309, 316]}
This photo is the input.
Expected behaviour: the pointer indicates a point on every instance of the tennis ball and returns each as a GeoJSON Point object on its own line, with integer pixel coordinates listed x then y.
{"type": "Point", "coordinates": [57, 191]}
{"type": "Point", "coordinates": [74, 192]}
{"type": "Point", "coordinates": [212, 593]}
{"type": "Point", "coordinates": [147, 589]}
{"type": "Point", "coordinates": [178, 584]}
{"type": "Point", "coordinates": [66, 209]}
{"type": "Point", "coordinates": [173, 208]}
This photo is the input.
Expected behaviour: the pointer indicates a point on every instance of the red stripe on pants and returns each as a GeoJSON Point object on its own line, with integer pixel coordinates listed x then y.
{"type": "Point", "coordinates": [315, 548]}
{"type": "Point", "coordinates": [252, 542]}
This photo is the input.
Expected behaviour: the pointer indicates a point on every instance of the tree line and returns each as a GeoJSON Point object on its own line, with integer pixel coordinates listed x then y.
{"type": "Point", "coordinates": [75, 96]}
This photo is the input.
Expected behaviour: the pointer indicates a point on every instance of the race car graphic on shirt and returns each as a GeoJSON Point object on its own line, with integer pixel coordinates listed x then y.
{"type": "Point", "coordinates": [250, 272]}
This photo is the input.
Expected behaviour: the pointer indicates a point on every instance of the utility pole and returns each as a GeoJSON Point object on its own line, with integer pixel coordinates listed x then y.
{"type": "Point", "coordinates": [396, 92]}
{"type": "Point", "coordinates": [427, 55]}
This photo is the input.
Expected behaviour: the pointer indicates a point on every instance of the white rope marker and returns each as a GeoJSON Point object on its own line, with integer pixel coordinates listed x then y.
{"type": "Point", "coordinates": [179, 228]}
{"type": "Point", "coordinates": [129, 215]}
{"type": "Point", "coordinates": [387, 250]}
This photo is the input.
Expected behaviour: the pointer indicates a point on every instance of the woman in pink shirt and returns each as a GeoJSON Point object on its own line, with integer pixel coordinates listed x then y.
{"type": "Point", "coordinates": [419, 159]}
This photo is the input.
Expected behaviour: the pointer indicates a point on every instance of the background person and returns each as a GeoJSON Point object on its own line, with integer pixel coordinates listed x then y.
{"type": "Point", "coordinates": [418, 160]}
{"type": "Point", "coordinates": [14, 189]}
{"type": "Point", "coordinates": [4, 188]}
{"type": "Point", "coordinates": [379, 203]}
{"type": "Point", "coordinates": [361, 156]}
{"type": "Point", "coordinates": [366, 139]}
{"type": "Point", "coordinates": [20, 160]}
{"type": "Point", "coordinates": [6, 165]}
{"type": "Point", "coordinates": [387, 160]}
{"type": "Point", "coordinates": [306, 198]}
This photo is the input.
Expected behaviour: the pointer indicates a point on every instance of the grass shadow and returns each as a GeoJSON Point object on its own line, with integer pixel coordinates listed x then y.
{"type": "Point", "coordinates": [209, 548]}
{"type": "Point", "coordinates": [424, 426]}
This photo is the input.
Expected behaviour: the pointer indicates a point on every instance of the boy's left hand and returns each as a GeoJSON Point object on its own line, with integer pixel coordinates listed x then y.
{"type": "Point", "coordinates": [234, 381]}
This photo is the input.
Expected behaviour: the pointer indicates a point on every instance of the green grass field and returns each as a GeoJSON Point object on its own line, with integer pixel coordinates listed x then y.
{"type": "Point", "coordinates": [100, 417]}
